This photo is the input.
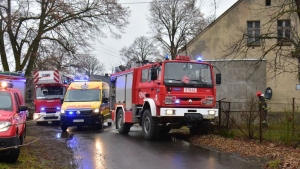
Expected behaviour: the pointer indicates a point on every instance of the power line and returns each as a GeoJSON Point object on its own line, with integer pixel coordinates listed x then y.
{"type": "Point", "coordinates": [140, 2]}
{"type": "Point", "coordinates": [110, 54]}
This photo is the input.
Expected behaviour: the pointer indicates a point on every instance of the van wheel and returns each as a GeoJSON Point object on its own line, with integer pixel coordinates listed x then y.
{"type": "Point", "coordinates": [13, 156]}
{"type": "Point", "coordinates": [123, 128]}
{"type": "Point", "coordinates": [64, 127]}
{"type": "Point", "coordinates": [22, 137]}
{"type": "Point", "coordinates": [109, 124]}
{"type": "Point", "coordinates": [151, 130]}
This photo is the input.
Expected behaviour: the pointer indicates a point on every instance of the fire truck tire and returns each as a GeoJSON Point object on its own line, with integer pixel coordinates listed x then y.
{"type": "Point", "coordinates": [165, 130]}
{"type": "Point", "coordinates": [151, 129]}
{"type": "Point", "coordinates": [13, 156]}
{"type": "Point", "coordinates": [64, 127]}
{"type": "Point", "coordinates": [123, 128]}
{"type": "Point", "coordinates": [201, 129]}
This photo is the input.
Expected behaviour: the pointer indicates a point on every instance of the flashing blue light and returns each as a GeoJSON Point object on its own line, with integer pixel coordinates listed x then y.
{"type": "Point", "coordinates": [43, 109]}
{"type": "Point", "coordinates": [167, 57]}
{"type": "Point", "coordinates": [70, 112]}
{"type": "Point", "coordinates": [177, 101]}
{"type": "Point", "coordinates": [199, 58]}
{"type": "Point", "coordinates": [81, 78]}
{"type": "Point", "coordinates": [57, 108]}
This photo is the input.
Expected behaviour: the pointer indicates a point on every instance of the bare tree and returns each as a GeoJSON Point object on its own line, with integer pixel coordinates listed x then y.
{"type": "Point", "coordinates": [278, 37]}
{"type": "Point", "coordinates": [24, 25]}
{"type": "Point", "coordinates": [174, 22]}
{"type": "Point", "coordinates": [141, 49]}
{"type": "Point", "coordinates": [53, 57]}
{"type": "Point", "coordinates": [90, 64]}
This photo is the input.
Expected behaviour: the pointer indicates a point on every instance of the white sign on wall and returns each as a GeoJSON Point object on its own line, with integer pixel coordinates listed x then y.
{"type": "Point", "coordinates": [297, 86]}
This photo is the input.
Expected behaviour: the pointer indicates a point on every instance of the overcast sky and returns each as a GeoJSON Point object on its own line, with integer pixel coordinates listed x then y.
{"type": "Point", "coordinates": [108, 51]}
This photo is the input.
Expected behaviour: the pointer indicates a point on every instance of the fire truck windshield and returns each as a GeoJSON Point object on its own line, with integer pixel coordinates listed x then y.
{"type": "Point", "coordinates": [187, 74]}
{"type": "Point", "coordinates": [50, 92]}
{"type": "Point", "coordinates": [6, 103]}
{"type": "Point", "coordinates": [79, 95]}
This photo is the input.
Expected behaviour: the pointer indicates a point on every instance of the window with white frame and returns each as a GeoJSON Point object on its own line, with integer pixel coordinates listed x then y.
{"type": "Point", "coordinates": [283, 30]}
{"type": "Point", "coordinates": [253, 30]}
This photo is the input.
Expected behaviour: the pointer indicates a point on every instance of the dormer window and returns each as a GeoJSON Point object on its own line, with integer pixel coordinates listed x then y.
{"type": "Point", "coordinates": [268, 2]}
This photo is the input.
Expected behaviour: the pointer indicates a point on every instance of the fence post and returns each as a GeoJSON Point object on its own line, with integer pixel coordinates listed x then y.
{"type": "Point", "coordinates": [293, 117]}
{"type": "Point", "coordinates": [220, 115]}
{"type": "Point", "coordinates": [260, 123]}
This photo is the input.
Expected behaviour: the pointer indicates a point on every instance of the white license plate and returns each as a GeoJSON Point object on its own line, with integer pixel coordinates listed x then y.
{"type": "Point", "coordinates": [50, 115]}
{"type": "Point", "coordinates": [78, 120]}
{"type": "Point", "coordinates": [190, 90]}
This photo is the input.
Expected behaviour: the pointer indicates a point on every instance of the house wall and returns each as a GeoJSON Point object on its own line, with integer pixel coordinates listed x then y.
{"type": "Point", "coordinates": [240, 80]}
{"type": "Point", "coordinates": [220, 41]}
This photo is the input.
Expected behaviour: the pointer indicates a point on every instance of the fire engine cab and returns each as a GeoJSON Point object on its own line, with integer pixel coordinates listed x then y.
{"type": "Point", "coordinates": [50, 88]}
{"type": "Point", "coordinates": [12, 117]}
{"type": "Point", "coordinates": [165, 95]}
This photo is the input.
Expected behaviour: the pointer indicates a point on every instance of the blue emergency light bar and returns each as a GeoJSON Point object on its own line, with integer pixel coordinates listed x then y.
{"type": "Point", "coordinates": [81, 78]}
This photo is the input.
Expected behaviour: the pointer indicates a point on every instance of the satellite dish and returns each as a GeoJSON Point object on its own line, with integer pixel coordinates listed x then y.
{"type": "Point", "coordinates": [268, 93]}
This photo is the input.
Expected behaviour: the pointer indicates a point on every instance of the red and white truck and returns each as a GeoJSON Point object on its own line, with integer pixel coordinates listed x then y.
{"type": "Point", "coordinates": [165, 95]}
{"type": "Point", "coordinates": [50, 87]}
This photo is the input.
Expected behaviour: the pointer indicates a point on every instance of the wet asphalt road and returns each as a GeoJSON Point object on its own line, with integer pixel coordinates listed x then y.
{"type": "Point", "coordinates": [109, 150]}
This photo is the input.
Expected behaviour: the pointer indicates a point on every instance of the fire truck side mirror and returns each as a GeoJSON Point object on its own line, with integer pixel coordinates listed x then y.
{"type": "Point", "coordinates": [105, 100]}
{"type": "Point", "coordinates": [218, 78]}
{"type": "Point", "coordinates": [153, 73]}
{"type": "Point", "coordinates": [61, 101]}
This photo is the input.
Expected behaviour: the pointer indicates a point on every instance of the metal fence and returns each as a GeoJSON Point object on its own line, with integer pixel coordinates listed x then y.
{"type": "Point", "coordinates": [243, 119]}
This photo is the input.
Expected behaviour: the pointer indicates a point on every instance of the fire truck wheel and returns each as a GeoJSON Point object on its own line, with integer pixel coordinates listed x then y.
{"type": "Point", "coordinates": [201, 129]}
{"type": "Point", "coordinates": [123, 128]}
{"type": "Point", "coordinates": [64, 127]}
{"type": "Point", "coordinates": [151, 130]}
{"type": "Point", "coordinates": [165, 130]}
{"type": "Point", "coordinates": [13, 156]}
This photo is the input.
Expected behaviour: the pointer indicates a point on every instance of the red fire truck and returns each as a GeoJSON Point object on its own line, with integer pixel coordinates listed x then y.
{"type": "Point", "coordinates": [50, 88]}
{"type": "Point", "coordinates": [165, 95]}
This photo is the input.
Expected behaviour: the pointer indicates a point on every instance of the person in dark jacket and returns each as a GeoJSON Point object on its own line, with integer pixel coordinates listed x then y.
{"type": "Point", "coordinates": [263, 108]}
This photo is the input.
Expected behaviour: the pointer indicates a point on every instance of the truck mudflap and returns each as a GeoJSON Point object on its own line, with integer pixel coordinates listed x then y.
{"type": "Point", "coordinates": [193, 117]}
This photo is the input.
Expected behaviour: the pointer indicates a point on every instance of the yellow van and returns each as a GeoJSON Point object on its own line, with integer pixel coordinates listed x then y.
{"type": "Point", "coordinates": [85, 104]}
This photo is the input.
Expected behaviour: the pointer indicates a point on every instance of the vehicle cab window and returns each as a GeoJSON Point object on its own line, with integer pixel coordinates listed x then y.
{"type": "Point", "coordinates": [17, 99]}
{"type": "Point", "coordinates": [144, 75]}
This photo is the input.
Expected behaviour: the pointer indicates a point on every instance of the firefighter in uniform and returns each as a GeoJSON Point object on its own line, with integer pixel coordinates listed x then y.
{"type": "Point", "coordinates": [263, 108]}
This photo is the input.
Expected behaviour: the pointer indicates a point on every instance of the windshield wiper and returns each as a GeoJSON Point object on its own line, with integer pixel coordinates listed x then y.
{"type": "Point", "coordinates": [178, 80]}
{"type": "Point", "coordinates": [199, 81]}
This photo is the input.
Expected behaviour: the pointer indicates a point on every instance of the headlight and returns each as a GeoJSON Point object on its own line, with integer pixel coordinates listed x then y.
{"type": "Point", "coordinates": [170, 112]}
{"type": "Point", "coordinates": [211, 112]}
{"type": "Point", "coordinates": [4, 126]}
{"type": "Point", "coordinates": [62, 111]}
{"type": "Point", "coordinates": [96, 110]}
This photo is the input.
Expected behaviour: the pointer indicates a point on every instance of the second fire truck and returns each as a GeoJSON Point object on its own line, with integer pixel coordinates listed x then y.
{"type": "Point", "coordinates": [50, 87]}
{"type": "Point", "coordinates": [165, 95]}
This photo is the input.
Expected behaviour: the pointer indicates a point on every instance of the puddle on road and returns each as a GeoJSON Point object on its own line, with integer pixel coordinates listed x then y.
{"type": "Point", "coordinates": [64, 135]}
